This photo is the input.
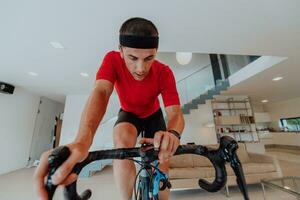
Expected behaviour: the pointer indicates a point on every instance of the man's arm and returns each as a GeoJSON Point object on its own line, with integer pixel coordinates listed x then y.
{"type": "Point", "coordinates": [175, 118]}
{"type": "Point", "coordinates": [166, 141]}
{"type": "Point", "coordinates": [90, 119]}
{"type": "Point", "coordinates": [93, 112]}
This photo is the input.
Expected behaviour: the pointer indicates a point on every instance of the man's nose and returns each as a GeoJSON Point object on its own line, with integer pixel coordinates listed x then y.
{"type": "Point", "coordinates": [140, 67]}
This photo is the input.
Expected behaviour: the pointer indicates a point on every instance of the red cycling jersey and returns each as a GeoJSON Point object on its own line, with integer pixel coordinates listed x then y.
{"type": "Point", "coordinates": [139, 97]}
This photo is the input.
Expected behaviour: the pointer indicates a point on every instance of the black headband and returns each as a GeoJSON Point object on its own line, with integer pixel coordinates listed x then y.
{"type": "Point", "coordinates": [139, 42]}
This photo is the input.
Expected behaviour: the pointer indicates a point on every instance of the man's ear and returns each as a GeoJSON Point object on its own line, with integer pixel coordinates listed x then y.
{"type": "Point", "coordinates": [121, 51]}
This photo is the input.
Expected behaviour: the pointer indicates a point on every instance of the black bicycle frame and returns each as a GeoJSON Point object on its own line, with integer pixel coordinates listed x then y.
{"type": "Point", "coordinates": [145, 176]}
{"type": "Point", "coordinates": [218, 157]}
{"type": "Point", "coordinates": [145, 187]}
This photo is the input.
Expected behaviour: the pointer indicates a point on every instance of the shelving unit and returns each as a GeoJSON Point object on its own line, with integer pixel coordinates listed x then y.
{"type": "Point", "coordinates": [235, 118]}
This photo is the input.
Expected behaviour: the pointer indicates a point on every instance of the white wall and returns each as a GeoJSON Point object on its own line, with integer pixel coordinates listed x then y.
{"type": "Point", "coordinates": [17, 117]}
{"type": "Point", "coordinates": [71, 120]}
{"type": "Point", "coordinates": [196, 123]}
{"type": "Point", "coordinates": [283, 109]}
{"type": "Point", "coordinates": [258, 107]}
{"type": "Point", "coordinates": [181, 71]}
{"type": "Point", "coordinates": [282, 138]}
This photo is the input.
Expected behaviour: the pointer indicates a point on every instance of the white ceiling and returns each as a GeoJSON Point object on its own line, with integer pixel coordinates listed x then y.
{"type": "Point", "coordinates": [261, 86]}
{"type": "Point", "coordinates": [88, 29]}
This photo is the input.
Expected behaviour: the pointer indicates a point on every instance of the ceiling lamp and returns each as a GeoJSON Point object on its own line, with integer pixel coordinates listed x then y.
{"type": "Point", "coordinates": [183, 58]}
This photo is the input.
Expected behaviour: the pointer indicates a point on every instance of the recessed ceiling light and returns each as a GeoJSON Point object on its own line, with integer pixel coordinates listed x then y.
{"type": "Point", "coordinates": [265, 101]}
{"type": "Point", "coordinates": [277, 78]}
{"type": "Point", "coordinates": [33, 73]}
{"type": "Point", "coordinates": [84, 74]}
{"type": "Point", "coordinates": [57, 45]}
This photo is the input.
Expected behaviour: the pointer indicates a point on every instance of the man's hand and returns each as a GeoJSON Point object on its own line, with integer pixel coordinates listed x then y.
{"type": "Point", "coordinates": [166, 142]}
{"type": "Point", "coordinates": [62, 175]}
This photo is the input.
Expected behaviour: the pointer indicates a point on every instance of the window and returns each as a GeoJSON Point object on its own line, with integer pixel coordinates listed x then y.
{"type": "Point", "coordinates": [291, 124]}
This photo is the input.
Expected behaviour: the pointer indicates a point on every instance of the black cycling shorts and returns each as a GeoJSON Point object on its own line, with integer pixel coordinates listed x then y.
{"type": "Point", "coordinates": [146, 126]}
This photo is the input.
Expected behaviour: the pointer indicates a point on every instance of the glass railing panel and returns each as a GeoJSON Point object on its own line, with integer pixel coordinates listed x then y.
{"type": "Point", "coordinates": [237, 62]}
{"type": "Point", "coordinates": [195, 84]}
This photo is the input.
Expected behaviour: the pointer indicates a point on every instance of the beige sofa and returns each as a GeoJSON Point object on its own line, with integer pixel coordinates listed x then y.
{"type": "Point", "coordinates": [185, 170]}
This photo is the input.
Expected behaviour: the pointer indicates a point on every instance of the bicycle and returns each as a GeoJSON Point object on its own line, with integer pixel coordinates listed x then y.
{"type": "Point", "coordinates": [150, 177]}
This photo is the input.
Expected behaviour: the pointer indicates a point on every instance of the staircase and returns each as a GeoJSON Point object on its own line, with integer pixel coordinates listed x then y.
{"type": "Point", "coordinates": [193, 104]}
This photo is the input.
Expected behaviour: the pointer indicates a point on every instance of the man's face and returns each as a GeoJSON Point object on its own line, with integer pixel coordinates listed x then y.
{"type": "Point", "coordinates": [138, 61]}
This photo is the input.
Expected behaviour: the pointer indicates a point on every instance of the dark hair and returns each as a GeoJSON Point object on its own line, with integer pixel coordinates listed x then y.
{"type": "Point", "coordinates": [138, 27]}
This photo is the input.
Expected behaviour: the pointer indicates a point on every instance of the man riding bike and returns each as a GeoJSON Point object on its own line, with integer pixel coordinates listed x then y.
{"type": "Point", "coordinates": [138, 79]}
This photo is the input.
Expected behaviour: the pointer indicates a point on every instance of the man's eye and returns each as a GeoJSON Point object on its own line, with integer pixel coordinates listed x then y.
{"type": "Point", "coordinates": [133, 58]}
{"type": "Point", "coordinates": [149, 59]}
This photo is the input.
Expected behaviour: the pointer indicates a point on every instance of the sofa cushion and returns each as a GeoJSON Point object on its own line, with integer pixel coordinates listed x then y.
{"type": "Point", "coordinates": [189, 172]}
{"type": "Point", "coordinates": [201, 161]}
{"type": "Point", "coordinates": [248, 168]}
{"type": "Point", "coordinates": [192, 160]}
{"type": "Point", "coordinates": [209, 172]}
{"type": "Point", "coordinates": [258, 168]}
{"type": "Point", "coordinates": [242, 153]}
{"type": "Point", "coordinates": [181, 161]}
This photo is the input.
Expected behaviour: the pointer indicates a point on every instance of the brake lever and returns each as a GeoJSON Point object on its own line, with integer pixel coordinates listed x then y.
{"type": "Point", "coordinates": [230, 147]}
{"type": "Point", "coordinates": [55, 159]}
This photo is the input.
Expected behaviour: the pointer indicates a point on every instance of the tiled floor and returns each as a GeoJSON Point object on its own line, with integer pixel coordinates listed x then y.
{"type": "Point", "coordinates": [18, 185]}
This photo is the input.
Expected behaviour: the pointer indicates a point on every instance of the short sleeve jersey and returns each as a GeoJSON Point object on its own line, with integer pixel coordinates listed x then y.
{"type": "Point", "coordinates": [139, 97]}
